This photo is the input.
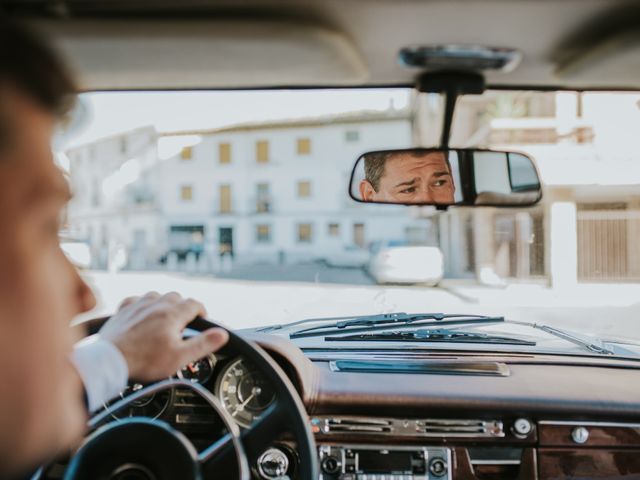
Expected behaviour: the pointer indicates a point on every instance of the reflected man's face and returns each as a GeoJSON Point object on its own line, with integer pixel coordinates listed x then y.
{"type": "Point", "coordinates": [408, 178]}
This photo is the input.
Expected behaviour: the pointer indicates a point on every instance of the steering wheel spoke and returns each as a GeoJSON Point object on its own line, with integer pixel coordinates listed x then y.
{"type": "Point", "coordinates": [255, 440]}
{"type": "Point", "coordinates": [263, 431]}
{"type": "Point", "coordinates": [218, 457]}
{"type": "Point", "coordinates": [217, 448]}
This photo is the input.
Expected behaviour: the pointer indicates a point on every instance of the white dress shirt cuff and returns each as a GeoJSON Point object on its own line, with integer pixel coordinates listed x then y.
{"type": "Point", "coordinates": [103, 370]}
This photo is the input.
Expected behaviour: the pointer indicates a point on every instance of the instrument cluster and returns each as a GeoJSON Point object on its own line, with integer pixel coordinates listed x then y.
{"type": "Point", "coordinates": [242, 390]}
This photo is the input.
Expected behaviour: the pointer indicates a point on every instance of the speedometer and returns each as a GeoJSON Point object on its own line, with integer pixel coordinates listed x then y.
{"type": "Point", "coordinates": [245, 393]}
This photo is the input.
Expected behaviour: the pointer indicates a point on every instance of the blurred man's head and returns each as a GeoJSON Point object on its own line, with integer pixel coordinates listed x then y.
{"type": "Point", "coordinates": [40, 292]}
{"type": "Point", "coordinates": [419, 176]}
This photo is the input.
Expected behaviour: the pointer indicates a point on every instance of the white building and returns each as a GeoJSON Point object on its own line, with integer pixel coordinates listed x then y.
{"type": "Point", "coordinates": [266, 192]}
{"type": "Point", "coordinates": [115, 207]}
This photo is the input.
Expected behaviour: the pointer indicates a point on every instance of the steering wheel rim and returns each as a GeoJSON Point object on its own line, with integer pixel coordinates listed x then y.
{"type": "Point", "coordinates": [286, 413]}
{"type": "Point", "coordinates": [79, 470]}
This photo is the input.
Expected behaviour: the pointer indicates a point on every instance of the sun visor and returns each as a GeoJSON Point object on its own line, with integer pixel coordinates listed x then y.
{"type": "Point", "coordinates": [615, 57]}
{"type": "Point", "coordinates": [206, 54]}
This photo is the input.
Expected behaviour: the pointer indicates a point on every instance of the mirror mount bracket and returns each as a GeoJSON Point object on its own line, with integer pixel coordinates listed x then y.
{"type": "Point", "coordinates": [451, 84]}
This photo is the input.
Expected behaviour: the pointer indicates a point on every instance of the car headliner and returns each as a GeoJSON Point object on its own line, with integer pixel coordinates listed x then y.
{"type": "Point", "coordinates": [157, 44]}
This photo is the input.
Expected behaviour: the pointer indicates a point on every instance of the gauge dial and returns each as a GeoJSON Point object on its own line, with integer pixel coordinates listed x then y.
{"type": "Point", "coordinates": [151, 406]}
{"type": "Point", "coordinates": [245, 393]}
{"type": "Point", "coordinates": [199, 371]}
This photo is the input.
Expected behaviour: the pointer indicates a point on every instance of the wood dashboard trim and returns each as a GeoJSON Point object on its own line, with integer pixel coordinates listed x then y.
{"type": "Point", "coordinates": [600, 434]}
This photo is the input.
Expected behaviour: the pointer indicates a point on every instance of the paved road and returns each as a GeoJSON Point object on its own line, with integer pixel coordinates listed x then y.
{"type": "Point", "coordinates": [315, 272]}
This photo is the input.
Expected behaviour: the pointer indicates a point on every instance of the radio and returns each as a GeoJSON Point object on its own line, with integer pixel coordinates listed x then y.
{"type": "Point", "coordinates": [357, 462]}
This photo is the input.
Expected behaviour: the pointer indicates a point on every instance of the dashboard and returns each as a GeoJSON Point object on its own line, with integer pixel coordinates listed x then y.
{"type": "Point", "coordinates": [531, 417]}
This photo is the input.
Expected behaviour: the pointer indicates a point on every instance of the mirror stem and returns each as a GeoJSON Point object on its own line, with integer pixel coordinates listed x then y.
{"type": "Point", "coordinates": [451, 85]}
{"type": "Point", "coordinates": [451, 97]}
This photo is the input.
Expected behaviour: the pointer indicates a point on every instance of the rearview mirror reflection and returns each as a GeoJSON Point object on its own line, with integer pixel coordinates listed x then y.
{"type": "Point", "coordinates": [439, 177]}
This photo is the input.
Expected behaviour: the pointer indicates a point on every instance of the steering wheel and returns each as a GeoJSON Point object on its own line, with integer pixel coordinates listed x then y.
{"type": "Point", "coordinates": [140, 448]}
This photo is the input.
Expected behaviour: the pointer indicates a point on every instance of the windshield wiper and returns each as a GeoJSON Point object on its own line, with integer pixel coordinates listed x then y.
{"type": "Point", "coordinates": [385, 321]}
{"type": "Point", "coordinates": [575, 339]}
{"type": "Point", "coordinates": [431, 335]}
{"type": "Point", "coordinates": [590, 344]}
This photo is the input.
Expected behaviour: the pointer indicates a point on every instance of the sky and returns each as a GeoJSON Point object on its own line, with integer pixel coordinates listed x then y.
{"type": "Point", "coordinates": [111, 113]}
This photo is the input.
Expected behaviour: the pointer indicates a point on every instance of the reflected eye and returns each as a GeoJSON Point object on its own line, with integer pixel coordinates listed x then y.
{"type": "Point", "coordinates": [409, 190]}
{"type": "Point", "coordinates": [440, 182]}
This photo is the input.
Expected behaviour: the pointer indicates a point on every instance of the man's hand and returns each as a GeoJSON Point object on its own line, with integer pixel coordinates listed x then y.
{"type": "Point", "coordinates": [148, 332]}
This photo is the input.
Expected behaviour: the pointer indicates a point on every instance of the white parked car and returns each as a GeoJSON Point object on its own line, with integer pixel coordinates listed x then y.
{"type": "Point", "coordinates": [399, 262]}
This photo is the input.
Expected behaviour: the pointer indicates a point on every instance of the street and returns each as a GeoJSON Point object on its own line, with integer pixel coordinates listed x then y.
{"type": "Point", "coordinates": [250, 297]}
{"type": "Point", "coordinates": [314, 272]}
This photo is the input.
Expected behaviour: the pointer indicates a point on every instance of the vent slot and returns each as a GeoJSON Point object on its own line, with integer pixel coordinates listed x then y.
{"type": "Point", "coordinates": [190, 409]}
{"type": "Point", "coordinates": [357, 425]}
{"type": "Point", "coordinates": [464, 428]}
{"type": "Point", "coordinates": [434, 427]}
{"type": "Point", "coordinates": [426, 367]}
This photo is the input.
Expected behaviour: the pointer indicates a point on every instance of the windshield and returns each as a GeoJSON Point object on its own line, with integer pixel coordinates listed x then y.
{"type": "Point", "coordinates": [240, 199]}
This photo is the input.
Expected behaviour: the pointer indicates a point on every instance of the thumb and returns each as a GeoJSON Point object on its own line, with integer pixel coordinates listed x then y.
{"type": "Point", "coordinates": [203, 344]}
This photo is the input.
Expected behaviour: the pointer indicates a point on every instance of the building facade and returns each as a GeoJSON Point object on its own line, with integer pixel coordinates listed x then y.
{"type": "Point", "coordinates": [255, 193]}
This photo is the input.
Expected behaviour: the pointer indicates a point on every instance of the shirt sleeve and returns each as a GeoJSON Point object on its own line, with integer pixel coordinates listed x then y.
{"type": "Point", "coordinates": [103, 370]}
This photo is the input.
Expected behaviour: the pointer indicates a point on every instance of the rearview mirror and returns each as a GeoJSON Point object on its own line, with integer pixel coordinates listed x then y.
{"type": "Point", "coordinates": [470, 177]}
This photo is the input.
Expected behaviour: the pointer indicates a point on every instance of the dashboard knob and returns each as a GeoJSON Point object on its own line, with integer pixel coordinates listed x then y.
{"type": "Point", "coordinates": [522, 427]}
{"type": "Point", "coordinates": [437, 467]}
{"type": "Point", "coordinates": [580, 435]}
{"type": "Point", "coordinates": [273, 463]}
{"type": "Point", "coordinates": [331, 465]}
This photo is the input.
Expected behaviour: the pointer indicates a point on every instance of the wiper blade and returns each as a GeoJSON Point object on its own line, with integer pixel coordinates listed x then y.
{"type": "Point", "coordinates": [341, 322]}
{"type": "Point", "coordinates": [385, 321]}
{"type": "Point", "coordinates": [432, 335]}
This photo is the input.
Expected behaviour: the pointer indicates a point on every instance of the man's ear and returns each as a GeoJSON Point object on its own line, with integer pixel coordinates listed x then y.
{"type": "Point", "coordinates": [366, 191]}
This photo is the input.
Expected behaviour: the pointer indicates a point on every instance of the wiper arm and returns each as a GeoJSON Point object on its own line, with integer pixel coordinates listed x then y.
{"type": "Point", "coordinates": [582, 341]}
{"type": "Point", "coordinates": [569, 337]}
{"type": "Point", "coordinates": [384, 318]}
{"type": "Point", "coordinates": [432, 335]}
{"type": "Point", "coordinates": [280, 326]}
{"type": "Point", "coordinates": [386, 321]}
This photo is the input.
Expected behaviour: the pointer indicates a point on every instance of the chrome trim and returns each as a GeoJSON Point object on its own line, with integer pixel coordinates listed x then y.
{"type": "Point", "coordinates": [383, 446]}
{"type": "Point", "coordinates": [418, 428]}
{"type": "Point", "coordinates": [422, 367]}
{"type": "Point", "coordinates": [436, 451]}
{"type": "Point", "coordinates": [272, 451]}
{"type": "Point", "coordinates": [588, 423]}
{"type": "Point", "coordinates": [495, 462]}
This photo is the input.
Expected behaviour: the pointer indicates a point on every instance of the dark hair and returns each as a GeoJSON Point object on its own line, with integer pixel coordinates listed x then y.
{"type": "Point", "coordinates": [374, 163]}
{"type": "Point", "coordinates": [29, 66]}
{"type": "Point", "coordinates": [374, 167]}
